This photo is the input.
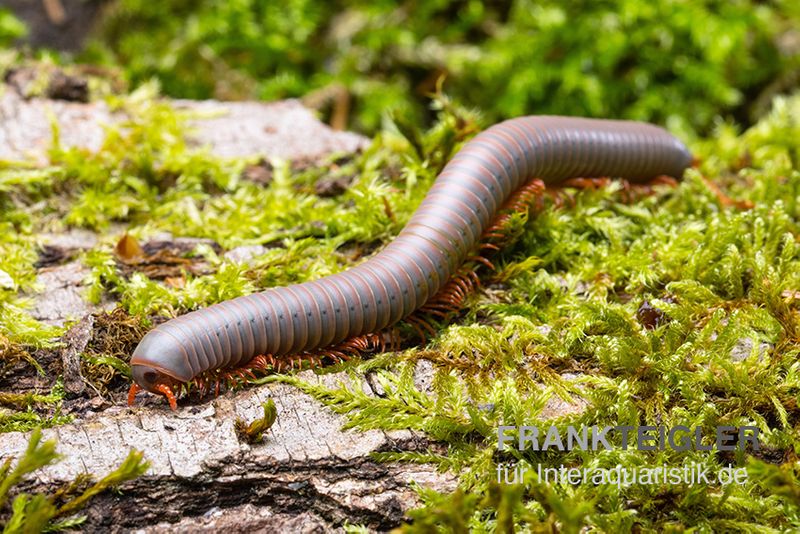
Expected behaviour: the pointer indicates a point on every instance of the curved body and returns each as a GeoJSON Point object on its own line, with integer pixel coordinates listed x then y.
{"type": "Point", "coordinates": [463, 201]}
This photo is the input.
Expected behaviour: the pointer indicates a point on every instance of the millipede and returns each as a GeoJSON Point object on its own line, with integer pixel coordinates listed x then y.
{"type": "Point", "coordinates": [426, 268]}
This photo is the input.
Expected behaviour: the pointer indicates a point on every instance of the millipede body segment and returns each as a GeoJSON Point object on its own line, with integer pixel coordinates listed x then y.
{"type": "Point", "coordinates": [447, 226]}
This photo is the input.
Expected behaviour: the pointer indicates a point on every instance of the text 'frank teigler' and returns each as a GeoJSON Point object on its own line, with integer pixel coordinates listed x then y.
{"type": "Point", "coordinates": [643, 438]}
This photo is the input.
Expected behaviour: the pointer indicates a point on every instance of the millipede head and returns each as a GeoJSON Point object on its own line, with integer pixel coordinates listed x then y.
{"type": "Point", "coordinates": [159, 365]}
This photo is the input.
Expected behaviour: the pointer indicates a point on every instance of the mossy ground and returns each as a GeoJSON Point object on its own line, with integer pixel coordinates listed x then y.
{"type": "Point", "coordinates": [675, 309]}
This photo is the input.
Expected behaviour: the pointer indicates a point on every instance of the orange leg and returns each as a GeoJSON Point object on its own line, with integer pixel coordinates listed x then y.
{"type": "Point", "coordinates": [587, 183]}
{"type": "Point", "coordinates": [132, 393]}
{"type": "Point", "coordinates": [484, 261]}
{"type": "Point", "coordinates": [631, 192]}
{"type": "Point", "coordinates": [169, 394]}
{"type": "Point", "coordinates": [724, 199]}
{"type": "Point", "coordinates": [164, 389]}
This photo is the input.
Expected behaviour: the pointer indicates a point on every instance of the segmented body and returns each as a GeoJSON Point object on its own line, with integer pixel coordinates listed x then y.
{"type": "Point", "coordinates": [462, 203]}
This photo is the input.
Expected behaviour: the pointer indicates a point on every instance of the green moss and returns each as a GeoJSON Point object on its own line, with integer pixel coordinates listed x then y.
{"type": "Point", "coordinates": [23, 188]}
{"type": "Point", "coordinates": [254, 432]}
{"type": "Point", "coordinates": [56, 511]}
{"type": "Point", "coordinates": [619, 58]}
{"type": "Point", "coordinates": [20, 412]}
{"type": "Point", "coordinates": [11, 28]}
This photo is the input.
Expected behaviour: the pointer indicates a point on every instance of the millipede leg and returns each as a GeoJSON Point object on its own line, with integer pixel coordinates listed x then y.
{"type": "Point", "coordinates": [724, 199]}
{"type": "Point", "coordinates": [587, 183]}
{"type": "Point", "coordinates": [631, 192]}
{"type": "Point", "coordinates": [135, 388]}
{"type": "Point", "coordinates": [169, 394]}
{"type": "Point", "coordinates": [480, 259]}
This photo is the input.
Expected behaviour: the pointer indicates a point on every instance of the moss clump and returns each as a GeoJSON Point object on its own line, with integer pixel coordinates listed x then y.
{"type": "Point", "coordinates": [619, 58]}
{"type": "Point", "coordinates": [104, 361]}
{"type": "Point", "coordinates": [21, 412]}
{"type": "Point", "coordinates": [21, 188]}
{"type": "Point", "coordinates": [254, 432]}
{"type": "Point", "coordinates": [11, 28]}
{"type": "Point", "coordinates": [58, 510]}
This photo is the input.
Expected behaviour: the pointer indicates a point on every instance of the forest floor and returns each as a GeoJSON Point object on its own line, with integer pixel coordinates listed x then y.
{"type": "Point", "coordinates": [676, 308]}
